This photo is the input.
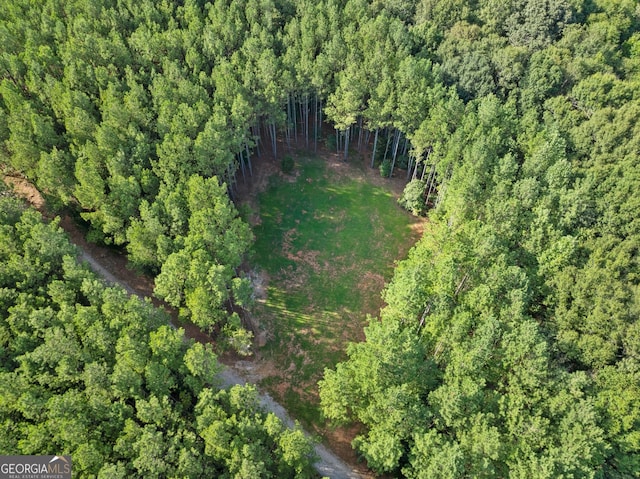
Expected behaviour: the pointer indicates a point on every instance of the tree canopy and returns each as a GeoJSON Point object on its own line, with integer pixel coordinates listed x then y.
{"type": "Point", "coordinates": [510, 340]}
{"type": "Point", "coordinates": [88, 371]}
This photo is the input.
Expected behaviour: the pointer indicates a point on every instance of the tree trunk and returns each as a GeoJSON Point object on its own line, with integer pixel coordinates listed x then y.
{"type": "Point", "coordinates": [424, 315]}
{"type": "Point", "coordinates": [440, 197]}
{"type": "Point", "coordinates": [288, 129]}
{"type": "Point", "coordinates": [231, 180]}
{"type": "Point", "coordinates": [424, 167]}
{"type": "Point", "coordinates": [256, 135]}
{"type": "Point", "coordinates": [246, 147]}
{"type": "Point", "coordinates": [300, 106]}
{"type": "Point", "coordinates": [273, 138]}
{"type": "Point", "coordinates": [386, 148]}
{"type": "Point", "coordinates": [443, 188]}
{"type": "Point", "coordinates": [320, 122]}
{"type": "Point", "coordinates": [396, 141]}
{"type": "Point", "coordinates": [415, 169]}
{"type": "Point", "coordinates": [244, 178]}
{"type": "Point", "coordinates": [431, 182]}
{"type": "Point", "coordinates": [461, 284]}
{"type": "Point", "coordinates": [315, 124]}
{"type": "Point", "coordinates": [295, 120]}
{"type": "Point", "coordinates": [306, 118]}
{"type": "Point", "coordinates": [375, 144]}
{"type": "Point", "coordinates": [346, 143]}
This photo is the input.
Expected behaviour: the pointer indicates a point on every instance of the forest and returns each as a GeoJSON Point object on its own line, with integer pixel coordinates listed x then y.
{"type": "Point", "coordinates": [88, 370]}
{"type": "Point", "coordinates": [509, 344]}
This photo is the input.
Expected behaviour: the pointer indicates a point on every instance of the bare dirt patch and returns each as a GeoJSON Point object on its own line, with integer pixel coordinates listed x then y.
{"type": "Point", "coordinates": [293, 278]}
{"type": "Point", "coordinates": [259, 280]}
{"type": "Point", "coordinates": [373, 282]}
{"type": "Point", "coordinates": [288, 238]}
{"type": "Point", "coordinates": [25, 190]}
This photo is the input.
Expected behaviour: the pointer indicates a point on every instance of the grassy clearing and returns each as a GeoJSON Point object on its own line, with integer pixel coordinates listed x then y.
{"type": "Point", "coordinates": [327, 242]}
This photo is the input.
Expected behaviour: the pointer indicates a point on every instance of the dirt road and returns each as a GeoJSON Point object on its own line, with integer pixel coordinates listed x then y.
{"type": "Point", "coordinates": [328, 465]}
{"type": "Point", "coordinates": [113, 269]}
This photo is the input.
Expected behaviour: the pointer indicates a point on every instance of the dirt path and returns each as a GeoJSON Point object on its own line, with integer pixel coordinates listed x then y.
{"type": "Point", "coordinates": [112, 268]}
{"type": "Point", "coordinates": [328, 465]}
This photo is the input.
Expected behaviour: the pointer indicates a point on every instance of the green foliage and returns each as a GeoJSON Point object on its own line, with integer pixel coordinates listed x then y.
{"type": "Point", "coordinates": [242, 292]}
{"type": "Point", "coordinates": [385, 168]}
{"type": "Point", "coordinates": [521, 282]}
{"type": "Point", "coordinates": [381, 383]}
{"type": "Point", "coordinates": [100, 375]}
{"type": "Point", "coordinates": [413, 197]}
{"type": "Point", "coordinates": [523, 115]}
{"type": "Point", "coordinates": [330, 142]}
{"type": "Point", "coordinates": [287, 164]}
{"type": "Point", "coordinates": [237, 337]}
{"type": "Point", "coordinates": [200, 275]}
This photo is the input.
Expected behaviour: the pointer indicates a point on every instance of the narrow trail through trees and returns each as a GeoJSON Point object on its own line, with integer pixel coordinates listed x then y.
{"type": "Point", "coordinates": [112, 268]}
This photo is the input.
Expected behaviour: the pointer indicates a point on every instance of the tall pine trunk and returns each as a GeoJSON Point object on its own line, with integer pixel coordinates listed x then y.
{"type": "Point", "coordinates": [288, 129]}
{"type": "Point", "coordinates": [315, 124]}
{"type": "Point", "coordinates": [386, 148]}
{"type": "Point", "coordinates": [406, 146]}
{"type": "Point", "coordinates": [431, 183]}
{"type": "Point", "coordinates": [246, 148]}
{"type": "Point", "coordinates": [320, 123]}
{"type": "Point", "coordinates": [241, 160]}
{"type": "Point", "coordinates": [424, 167]}
{"type": "Point", "coordinates": [346, 143]}
{"type": "Point", "coordinates": [255, 132]}
{"type": "Point", "coordinates": [441, 192]}
{"type": "Point", "coordinates": [295, 120]}
{"type": "Point", "coordinates": [306, 117]}
{"type": "Point", "coordinates": [272, 129]}
{"type": "Point", "coordinates": [375, 144]}
{"type": "Point", "coordinates": [396, 141]}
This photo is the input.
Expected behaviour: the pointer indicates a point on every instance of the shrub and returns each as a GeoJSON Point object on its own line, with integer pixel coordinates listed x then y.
{"type": "Point", "coordinates": [412, 198]}
{"type": "Point", "coordinates": [287, 164]}
{"type": "Point", "coordinates": [385, 168]}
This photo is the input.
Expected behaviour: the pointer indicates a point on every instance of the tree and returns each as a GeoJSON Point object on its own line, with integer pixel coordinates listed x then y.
{"type": "Point", "coordinates": [413, 197]}
{"type": "Point", "coordinates": [536, 24]}
{"type": "Point", "coordinates": [380, 385]}
{"type": "Point", "coordinates": [199, 276]}
{"type": "Point", "coordinates": [103, 375]}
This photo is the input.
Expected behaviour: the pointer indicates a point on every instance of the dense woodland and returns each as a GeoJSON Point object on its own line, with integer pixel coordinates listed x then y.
{"type": "Point", "coordinates": [510, 343]}
{"type": "Point", "coordinates": [90, 371]}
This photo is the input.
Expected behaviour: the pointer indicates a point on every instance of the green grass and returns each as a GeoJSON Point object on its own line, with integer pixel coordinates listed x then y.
{"type": "Point", "coordinates": [327, 242]}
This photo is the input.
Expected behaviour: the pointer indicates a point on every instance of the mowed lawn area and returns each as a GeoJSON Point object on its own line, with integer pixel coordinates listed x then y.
{"type": "Point", "coordinates": [326, 243]}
